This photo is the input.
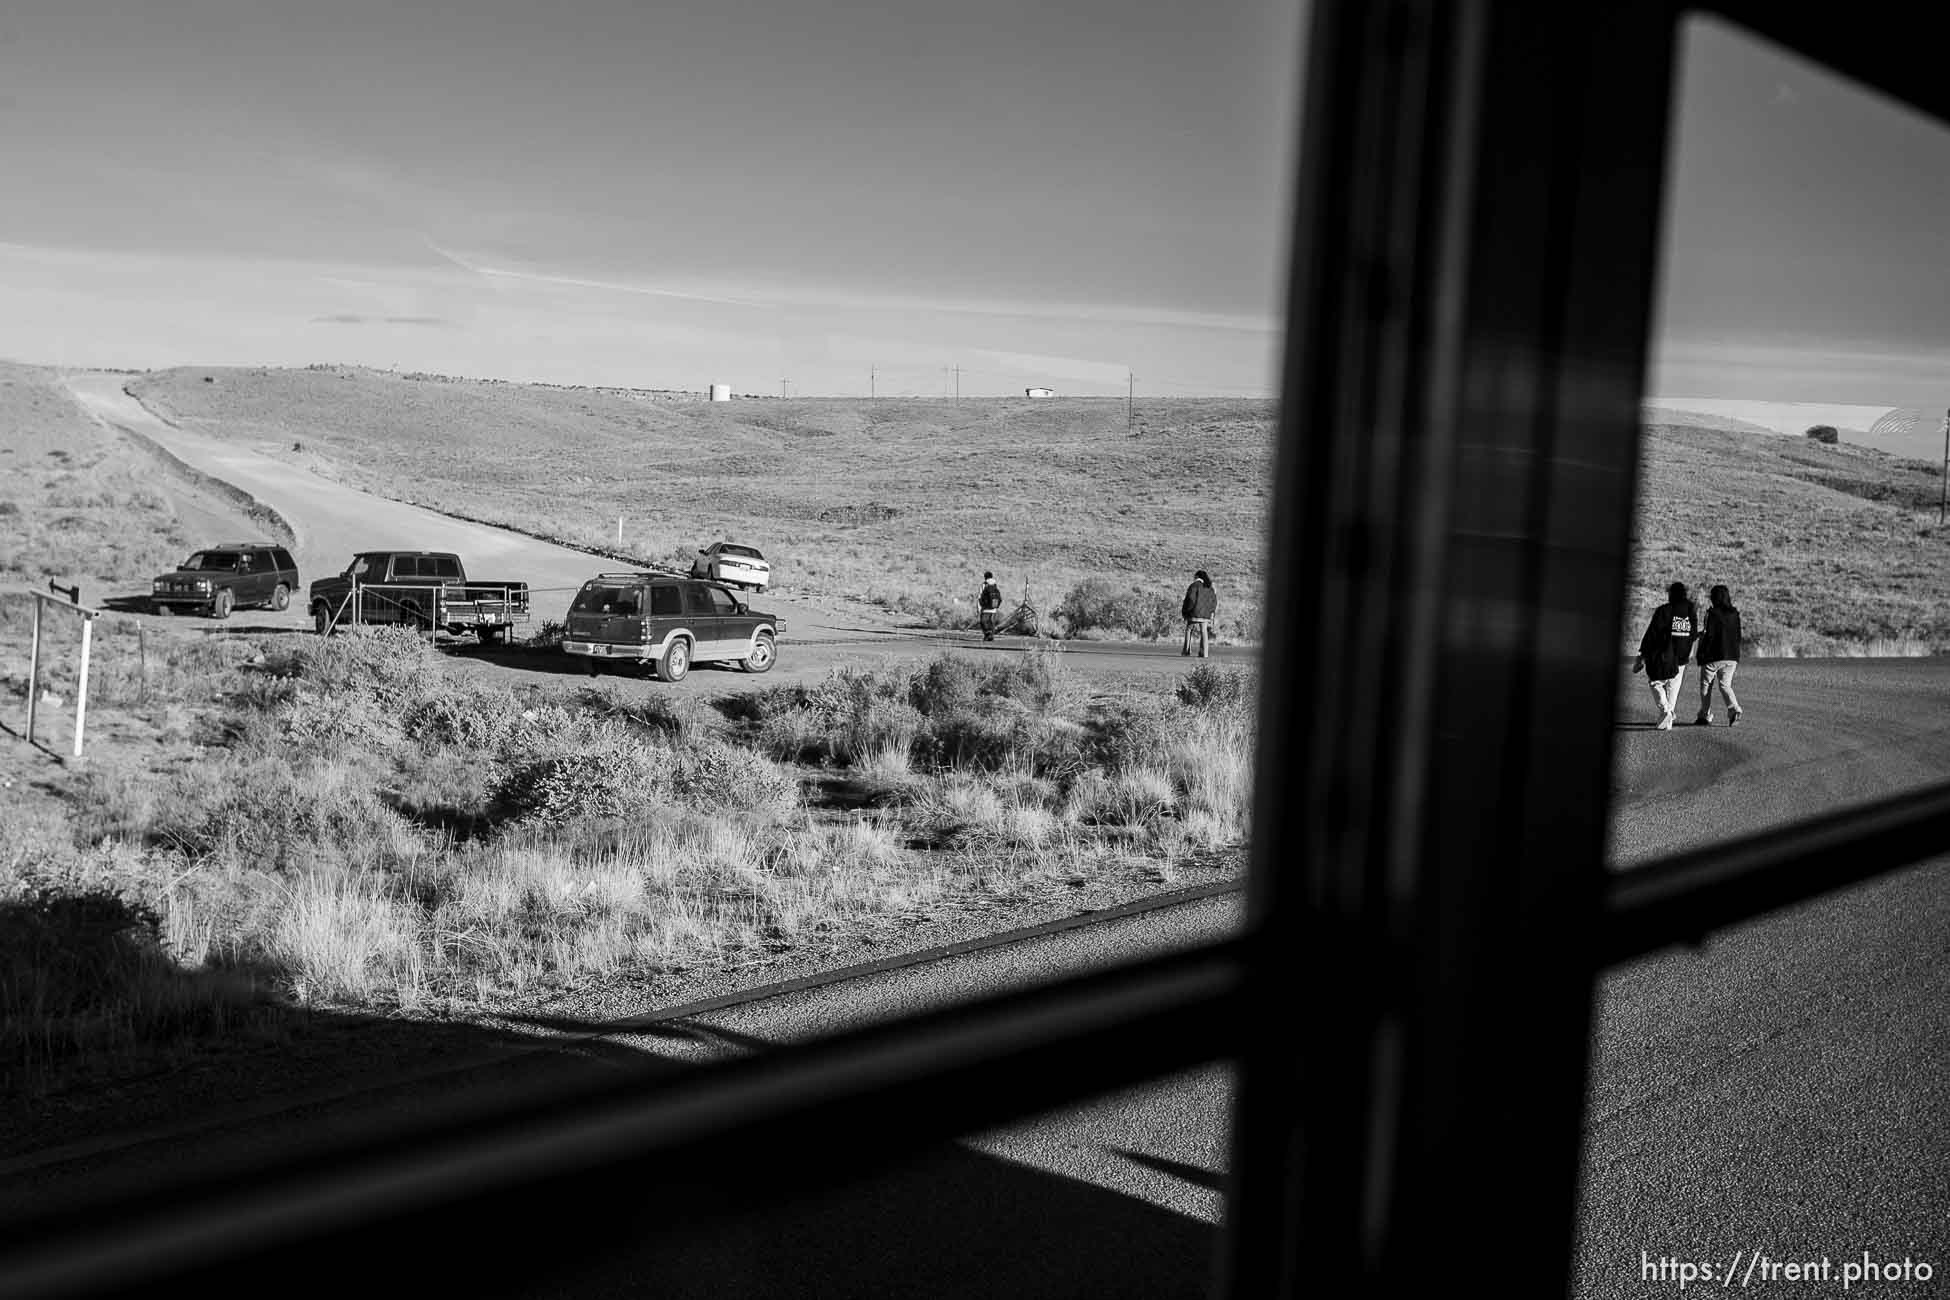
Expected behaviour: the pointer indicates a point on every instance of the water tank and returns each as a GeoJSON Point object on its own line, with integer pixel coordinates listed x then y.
{"type": "Point", "coordinates": [1039, 392]}
{"type": "Point", "coordinates": [721, 392]}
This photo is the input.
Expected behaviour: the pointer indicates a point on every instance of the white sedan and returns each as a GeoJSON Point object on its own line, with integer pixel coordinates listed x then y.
{"type": "Point", "coordinates": [733, 565]}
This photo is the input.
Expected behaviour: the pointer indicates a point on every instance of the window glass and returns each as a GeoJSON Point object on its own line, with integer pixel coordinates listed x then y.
{"type": "Point", "coordinates": [721, 601]}
{"type": "Point", "coordinates": [441, 566]}
{"type": "Point", "coordinates": [602, 598]}
{"type": "Point", "coordinates": [482, 337]}
{"type": "Point", "coordinates": [1787, 554]}
{"type": "Point", "coordinates": [1792, 462]}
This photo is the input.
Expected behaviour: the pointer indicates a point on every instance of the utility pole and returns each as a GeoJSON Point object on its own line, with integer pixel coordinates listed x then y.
{"type": "Point", "coordinates": [958, 385]}
{"type": "Point", "coordinates": [872, 382]}
{"type": "Point", "coordinates": [1130, 399]}
{"type": "Point", "coordinates": [1943, 492]}
{"type": "Point", "coordinates": [782, 390]}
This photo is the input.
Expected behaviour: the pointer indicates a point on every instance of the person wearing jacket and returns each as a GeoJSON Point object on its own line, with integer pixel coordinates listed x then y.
{"type": "Point", "coordinates": [1200, 604]}
{"type": "Point", "coordinates": [1719, 655]}
{"type": "Point", "coordinates": [1665, 648]}
{"type": "Point", "coordinates": [990, 604]}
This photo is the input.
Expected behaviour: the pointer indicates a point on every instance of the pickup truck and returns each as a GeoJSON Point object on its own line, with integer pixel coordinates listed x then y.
{"type": "Point", "coordinates": [420, 589]}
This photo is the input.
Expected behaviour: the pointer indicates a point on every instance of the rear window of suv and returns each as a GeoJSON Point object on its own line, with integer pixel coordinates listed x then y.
{"type": "Point", "coordinates": [605, 597]}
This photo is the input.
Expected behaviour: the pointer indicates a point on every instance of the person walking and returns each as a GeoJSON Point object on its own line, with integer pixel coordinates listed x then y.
{"type": "Point", "coordinates": [990, 603]}
{"type": "Point", "coordinates": [1665, 648]}
{"type": "Point", "coordinates": [1201, 603]}
{"type": "Point", "coordinates": [1719, 655]}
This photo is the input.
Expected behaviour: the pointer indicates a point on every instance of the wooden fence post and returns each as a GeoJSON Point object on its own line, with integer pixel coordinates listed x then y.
{"type": "Point", "coordinates": [34, 673]}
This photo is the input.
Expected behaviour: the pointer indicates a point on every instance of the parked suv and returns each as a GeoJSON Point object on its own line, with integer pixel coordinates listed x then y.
{"type": "Point", "coordinates": [668, 623]}
{"type": "Point", "coordinates": [217, 579]}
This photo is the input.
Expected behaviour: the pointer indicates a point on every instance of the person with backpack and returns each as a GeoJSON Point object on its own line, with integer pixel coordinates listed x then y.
{"type": "Point", "coordinates": [1719, 655]}
{"type": "Point", "coordinates": [990, 604]}
{"type": "Point", "coordinates": [1200, 604]}
{"type": "Point", "coordinates": [1665, 648]}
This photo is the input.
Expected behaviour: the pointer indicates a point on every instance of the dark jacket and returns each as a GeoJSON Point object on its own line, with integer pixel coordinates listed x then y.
{"type": "Point", "coordinates": [1668, 640]}
{"type": "Point", "coordinates": [1201, 601]}
{"type": "Point", "coordinates": [1721, 640]}
{"type": "Point", "coordinates": [991, 597]}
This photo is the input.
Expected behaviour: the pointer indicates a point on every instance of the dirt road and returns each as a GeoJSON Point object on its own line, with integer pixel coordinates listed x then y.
{"type": "Point", "coordinates": [329, 521]}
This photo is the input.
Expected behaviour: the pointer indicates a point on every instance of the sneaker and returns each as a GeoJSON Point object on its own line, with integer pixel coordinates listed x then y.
{"type": "Point", "coordinates": [1733, 716]}
{"type": "Point", "coordinates": [1665, 723]}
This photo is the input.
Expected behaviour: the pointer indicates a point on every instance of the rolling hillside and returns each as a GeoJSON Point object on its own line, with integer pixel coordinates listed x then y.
{"type": "Point", "coordinates": [1828, 549]}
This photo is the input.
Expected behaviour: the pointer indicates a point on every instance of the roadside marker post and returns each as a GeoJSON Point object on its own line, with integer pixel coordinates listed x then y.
{"type": "Point", "coordinates": [34, 672]}
{"type": "Point", "coordinates": [81, 686]}
{"type": "Point", "coordinates": [1943, 490]}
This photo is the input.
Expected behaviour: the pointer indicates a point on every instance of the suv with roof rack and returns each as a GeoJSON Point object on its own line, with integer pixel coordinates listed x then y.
{"type": "Point", "coordinates": [666, 623]}
{"type": "Point", "coordinates": [218, 579]}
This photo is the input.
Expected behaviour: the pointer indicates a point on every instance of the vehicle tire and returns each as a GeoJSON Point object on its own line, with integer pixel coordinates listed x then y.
{"type": "Point", "coordinates": [489, 635]}
{"type": "Point", "coordinates": [321, 620]}
{"type": "Point", "coordinates": [224, 603]}
{"type": "Point", "coordinates": [591, 667]}
{"type": "Point", "coordinates": [281, 598]}
{"type": "Point", "coordinates": [161, 610]}
{"type": "Point", "coordinates": [762, 656]}
{"type": "Point", "coordinates": [416, 618]}
{"type": "Point", "coordinates": [676, 661]}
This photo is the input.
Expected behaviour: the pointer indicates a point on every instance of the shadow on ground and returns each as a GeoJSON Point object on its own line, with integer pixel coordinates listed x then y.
{"type": "Point", "coordinates": [946, 1222]}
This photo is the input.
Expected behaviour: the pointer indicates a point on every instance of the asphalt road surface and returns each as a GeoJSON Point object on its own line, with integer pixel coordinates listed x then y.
{"type": "Point", "coordinates": [1784, 1089]}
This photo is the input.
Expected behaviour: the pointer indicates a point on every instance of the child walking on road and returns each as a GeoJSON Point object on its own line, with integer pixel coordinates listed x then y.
{"type": "Point", "coordinates": [1719, 655]}
{"type": "Point", "coordinates": [1665, 648]}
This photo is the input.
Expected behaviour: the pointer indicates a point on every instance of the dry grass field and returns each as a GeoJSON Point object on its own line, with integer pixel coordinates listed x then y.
{"type": "Point", "coordinates": [901, 502]}
{"type": "Point", "coordinates": [1829, 550]}
{"type": "Point", "coordinates": [75, 503]}
{"type": "Point", "coordinates": [355, 822]}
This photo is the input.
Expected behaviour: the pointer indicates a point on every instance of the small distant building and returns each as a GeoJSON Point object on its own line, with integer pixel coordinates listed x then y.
{"type": "Point", "coordinates": [1039, 392]}
{"type": "Point", "coordinates": [721, 392]}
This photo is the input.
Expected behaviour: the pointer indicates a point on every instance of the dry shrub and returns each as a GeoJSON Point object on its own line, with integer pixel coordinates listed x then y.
{"type": "Point", "coordinates": [606, 781]}
{"type": "Point", "coordinates": [713, 774]}
{"type": "Point", "coordinates": [1104, 607]}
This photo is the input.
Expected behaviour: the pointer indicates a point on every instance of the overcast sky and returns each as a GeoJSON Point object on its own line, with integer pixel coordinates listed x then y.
{"type": "Point", "coordinates": [757, 190]}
